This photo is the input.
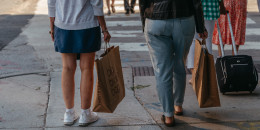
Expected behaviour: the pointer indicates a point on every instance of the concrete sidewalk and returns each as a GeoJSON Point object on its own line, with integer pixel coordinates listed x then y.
{"type": "Point", "coordinates": [34, 101]}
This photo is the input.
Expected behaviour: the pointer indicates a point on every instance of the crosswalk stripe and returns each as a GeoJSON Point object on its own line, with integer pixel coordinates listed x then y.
{"type": "Point", "coordinates": [131, 46]}
{"type": "Point", "coordinates": [122, 2]}
{"type": "Point", "coordinates": [253, 31]}
{"type": "Point", "coordinates": [122, 8]}
{"type": "Point", "coordinates": [120, 15]}
{"type": "Point", "coordinates": [143, 46]}
{"type": "Point", "coordinates": [135, 33]}
{"type": "Point", "coordinates": [123, 23]}
{"type": "Point", "coordinates": [250, 21]}
{"type": "Point", "coordinates": [132, 22]}
{"type": "Point", "coordinates": [247, 46]}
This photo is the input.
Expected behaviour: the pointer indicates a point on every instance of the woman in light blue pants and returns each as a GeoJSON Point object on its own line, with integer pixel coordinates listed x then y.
{"type": "Point", "coordinates": [169, 43]}
{"type": "Point", "coordinates": [169, 27]}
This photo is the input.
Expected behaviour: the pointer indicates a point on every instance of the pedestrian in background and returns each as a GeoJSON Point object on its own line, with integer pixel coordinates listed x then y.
{"type": "Point", "coordinates": [169, 27]}
{"type": "Point", "coordinates": [112, 6]}
{"type": "Point", "coordinates": [238, 13]}
{"type": "Point", "coordinates": [212, 10]}
{"type": "Point", "coordinates": [75, 30]}
{"type": "Point", "coordinates": [258, 3]}
{"type": "Point", "coordinates": [129, 8]}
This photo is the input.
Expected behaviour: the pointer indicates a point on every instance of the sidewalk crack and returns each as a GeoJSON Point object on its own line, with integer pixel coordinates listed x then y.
{"type": "Point", "coordinates": [142, 104]}
{"type": "Point", "coordinates": [48, 99]}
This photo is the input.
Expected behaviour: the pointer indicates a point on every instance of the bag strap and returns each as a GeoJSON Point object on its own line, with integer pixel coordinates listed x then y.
{"type": "Point", "coordinates": [203, 44]}
{"type": "Point", "coordinates": [107, 45]}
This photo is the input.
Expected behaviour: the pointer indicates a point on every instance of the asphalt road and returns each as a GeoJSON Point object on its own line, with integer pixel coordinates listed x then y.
{"type": "Point", "coordinates": [14, 15]}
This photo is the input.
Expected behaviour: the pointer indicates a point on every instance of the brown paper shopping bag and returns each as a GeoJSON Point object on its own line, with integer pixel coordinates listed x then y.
{"type": "Point", "coordinates": [204, 79]}
{"type": "Point", "coordinates": [109, 90]}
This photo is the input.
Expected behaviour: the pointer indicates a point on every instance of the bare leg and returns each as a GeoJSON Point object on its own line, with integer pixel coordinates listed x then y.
{"type": "Point", "coordinates": [108, 7]}
{"type": "Point", "coordinates": [219, 50]}
{"type": "Point", "coordinates": [178, 108]}
{"type": "Point", "coordinates": [113, 3]}
{"type": "Point", "coordinates": [237, 47]}
{"type": "Point", "coordinates": [87, 79]}
{"type": "Point", "coordinates": [69, 65]}
{"type": "Point", "coordinates": [113, 6]}
{"type": "Point", "coordinates": [190, 81]}
{"type": "Point", "coordinates": [169, 119]}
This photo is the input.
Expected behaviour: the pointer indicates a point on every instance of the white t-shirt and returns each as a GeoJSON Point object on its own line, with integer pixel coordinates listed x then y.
{"type": "Point", "coordinates": [75, 14]}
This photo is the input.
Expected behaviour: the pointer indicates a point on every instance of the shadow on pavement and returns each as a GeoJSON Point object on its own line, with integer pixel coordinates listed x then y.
{"type": "Point", "coordinates": [11, 26]}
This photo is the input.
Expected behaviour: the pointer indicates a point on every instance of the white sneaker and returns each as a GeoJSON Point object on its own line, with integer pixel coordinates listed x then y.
{"type": "Point", "coordinates": [87, 117]}
{"type": "Point", "coordinates": [70, 117]}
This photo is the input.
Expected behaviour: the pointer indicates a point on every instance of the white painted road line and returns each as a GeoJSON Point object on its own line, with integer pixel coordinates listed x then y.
{"type": "Point", "coordinates": [123, 23]}
{"type": "Point", "coordinates": [144, 47]}
{"type": "Point", "coordinates": [126, 32]}
{"type": "Point", "coordinates": [123, 35]}
{"type": "Point", "coordinates": [121, 2]}
{"type": "Point", "coordinates": [253, 31]}
{"type": "Point", "coordinates": [122, 15]}
{"type": "Point", "coordinates": [247, 46]}
{"type": "Point", "coordinates": [131, 46]}
{"type": "Point", "coordinates": [122, 8]}
{"type": "Point", "coordinates": [250, 21]}
{"type": "Point", "coordinates": [136, 33]}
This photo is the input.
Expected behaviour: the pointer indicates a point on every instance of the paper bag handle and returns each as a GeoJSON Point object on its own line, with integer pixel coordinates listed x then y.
{"type": "Point", "coordinates": [107, 45]}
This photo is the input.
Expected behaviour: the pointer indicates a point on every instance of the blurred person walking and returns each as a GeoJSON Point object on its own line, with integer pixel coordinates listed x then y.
{"type": "Point", "coordinates": [112, 6]}
{"type": "Point", "coordinates": [212, 10]}
{"type": "Point", "coordinates": [169, 27]}
{"type": "Point", "coordinates": [75, 30]}
{"type": "Point", "coordinates": [258, 3]}
{"type": "Point", "coordinates": [238, 13]}
{"type": "Point", "coordinates": [129, 8]}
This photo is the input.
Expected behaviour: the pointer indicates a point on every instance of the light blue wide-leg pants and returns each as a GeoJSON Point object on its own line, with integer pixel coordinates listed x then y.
{"type": "Point", "coordinates": [169, 43]}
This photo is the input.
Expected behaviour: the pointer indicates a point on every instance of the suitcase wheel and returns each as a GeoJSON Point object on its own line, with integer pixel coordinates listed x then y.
{"type": "Point", "coordinates": [223, 93]}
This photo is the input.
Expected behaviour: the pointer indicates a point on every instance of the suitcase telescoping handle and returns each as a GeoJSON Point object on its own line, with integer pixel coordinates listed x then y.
{"type": "Point", "coordinates": [220, 41]}
{"type": "Point", "coordinates": [232, 37]}
{"type": "Point", "coordinates": [232, 34]}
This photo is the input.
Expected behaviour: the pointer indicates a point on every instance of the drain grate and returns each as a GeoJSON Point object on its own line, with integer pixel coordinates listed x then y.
{"type": "Point", "coordinates": [148, 71]}
{"type": "Point", "coordinates": [143, 71]}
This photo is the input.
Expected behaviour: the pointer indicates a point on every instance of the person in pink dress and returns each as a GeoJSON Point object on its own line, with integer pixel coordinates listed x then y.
{"type": "Point", "coordinates": [238, 13]}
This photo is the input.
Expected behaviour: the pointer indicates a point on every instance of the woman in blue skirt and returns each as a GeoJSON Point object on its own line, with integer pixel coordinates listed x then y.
{"type": "Point", "coordinates": [75, 29]}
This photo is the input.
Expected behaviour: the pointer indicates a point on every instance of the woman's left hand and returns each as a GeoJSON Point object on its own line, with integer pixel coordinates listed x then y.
{"type": "Point", "coordinates": [52, 19]}
{"type": "Point", "coordinates": [106, 36]}
{"type": "Point", "coordinates": [204, 35]}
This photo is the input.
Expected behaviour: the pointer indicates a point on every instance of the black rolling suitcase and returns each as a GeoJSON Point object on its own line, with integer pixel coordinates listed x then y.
{"type": "Point", "coordinates": [235, 73]}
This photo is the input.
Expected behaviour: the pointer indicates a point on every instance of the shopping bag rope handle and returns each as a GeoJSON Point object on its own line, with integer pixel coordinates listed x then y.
{"type": "Point", "coordinates": [203, 44]}
{"type": "Point", "coordinates": [107, 45]}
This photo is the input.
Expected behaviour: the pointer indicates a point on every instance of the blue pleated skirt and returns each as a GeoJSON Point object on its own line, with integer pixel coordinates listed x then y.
{"type": "Point", "coordinates": [77, 41]}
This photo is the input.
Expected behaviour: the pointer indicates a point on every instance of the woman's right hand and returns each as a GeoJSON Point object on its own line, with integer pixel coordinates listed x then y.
{"type": "Point", "coordinates": [222, 8]}
{"type": "Point", "coordinates": [204, 35]}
